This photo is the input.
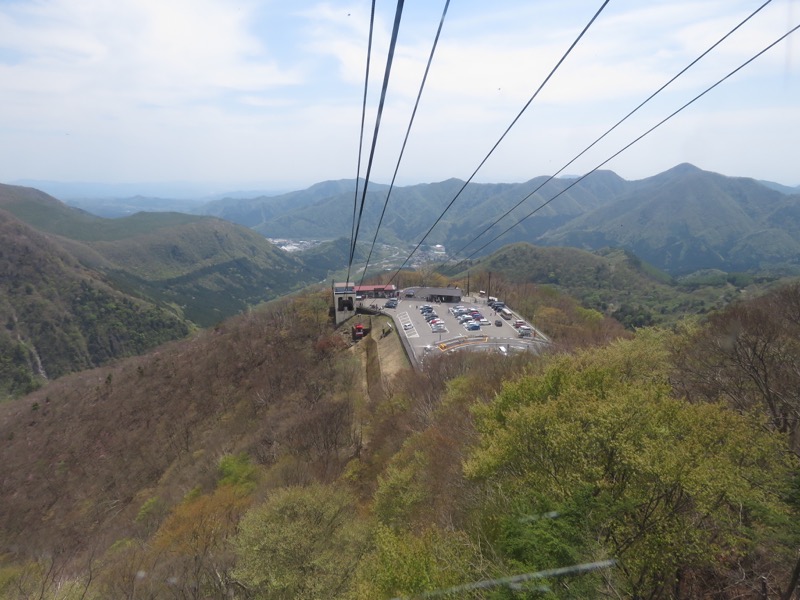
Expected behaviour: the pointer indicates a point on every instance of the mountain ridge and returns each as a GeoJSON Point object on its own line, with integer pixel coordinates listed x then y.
{"type": "Point", "coordinates": [681, 220]}
{"type": "Point", "coordinates": [81, 290]}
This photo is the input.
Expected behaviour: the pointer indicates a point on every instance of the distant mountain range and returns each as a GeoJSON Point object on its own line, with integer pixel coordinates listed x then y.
{"type": "Point", "coordinates": [682, 220]}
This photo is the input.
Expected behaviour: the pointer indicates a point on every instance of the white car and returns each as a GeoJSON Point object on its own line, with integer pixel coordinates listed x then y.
{"type": "Point", "coordinates": [408, 326]}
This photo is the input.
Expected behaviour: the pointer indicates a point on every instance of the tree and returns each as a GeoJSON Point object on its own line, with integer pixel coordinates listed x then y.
{"type": "Point", "coordinates": [303, 542]}
{"type": "Point", "coordinates": [403, 563]}
{"type": "Point", "coordinates": [677, 493]}
{"type": "Point", "coordinates": [193, 540]}
{"type": "Point", "coordinates": [749, 356]}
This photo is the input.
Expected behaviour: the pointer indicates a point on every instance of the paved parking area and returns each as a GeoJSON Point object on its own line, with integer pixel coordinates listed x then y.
{"type": "Point", "coordinates": [411, 324]}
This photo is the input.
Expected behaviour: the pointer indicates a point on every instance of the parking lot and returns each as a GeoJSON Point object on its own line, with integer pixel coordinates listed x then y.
{"type": "Point", "coordinates": [447, 333]}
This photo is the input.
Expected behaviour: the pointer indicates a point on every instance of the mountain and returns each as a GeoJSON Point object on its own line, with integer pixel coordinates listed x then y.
{"type": "Point", "coordinates": [612, 281]}
{"type": "Point", "coordinates": [686, 219]}
{"type": "Point", "coordinates": [69, 190]}
{"type": "Point", "coordinates": [80, 290]}
{"type": "Point", "coordinates": [62, 317]}
{"type": "Point", "coordinates": [112, 208]}
{"type": "Point", "coordinates": [325, 211]}
{"type": "Point", "coordinates": [784, 189]}
{"type": "Point", "coordinates": [81, 455]}
{"type": "Point", "coordinates": [682, 220]}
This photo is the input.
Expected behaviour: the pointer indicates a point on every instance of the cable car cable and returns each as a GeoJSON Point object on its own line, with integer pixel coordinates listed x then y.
{"type": "Point", "coordinates": [361, 134]}
{"type": "Point", "coordinates": [590, 146]}
{"type": "Point", "coordinates": [405, 140]}
{"type": "Point", "coordinates": [524, 108]}
{"type": "Point", "coordinates": [387, 72]}
{"type": "Point", "coordinates": [653, 128]}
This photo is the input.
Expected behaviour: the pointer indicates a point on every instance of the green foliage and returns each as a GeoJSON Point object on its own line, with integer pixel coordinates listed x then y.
{"type": "Point", "coordinates": [149, 507]}
{"type": "Point", "coordinates": [611, 281]}
{"type": "Point", "coordinates": [8, 577]}
{"type": "Point", "coordinates": [404, 563]}
{"type": "Point", "coordinates": [236, 470]}
{"type": "Point", "coordinates": [300, 543]}
{"type": "Point", "coordinates": [400, 492]}
{"type": "Point", "coordinates": [633, 316]}
{"type": "Point", "coordinates": [662, 484]}
{"type": "Point", "coordinates": [16, 375]}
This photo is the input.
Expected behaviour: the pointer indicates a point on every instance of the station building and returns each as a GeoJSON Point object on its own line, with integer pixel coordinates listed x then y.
{"type": "Point", "coordinates": [434, 294]}
{"type": "Point", "coordinates": [344, 301]}
{"type": "Point", "coordinates": [376, 291]}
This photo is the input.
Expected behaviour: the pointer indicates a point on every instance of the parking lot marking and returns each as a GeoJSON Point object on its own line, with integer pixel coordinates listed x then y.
{"type": "Point", "coordinates": [404, 319]}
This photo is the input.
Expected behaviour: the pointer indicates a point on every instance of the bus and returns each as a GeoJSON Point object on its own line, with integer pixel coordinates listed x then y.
{"type": "Point", "coordinates": [506, 314]}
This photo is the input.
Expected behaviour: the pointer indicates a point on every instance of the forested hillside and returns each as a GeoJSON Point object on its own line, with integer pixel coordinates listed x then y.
{"type": "Point", "coordinates": [257, 460]}
{"type": "Point", "coordinates": [79, 290]}
{"type": "Point", "coordinates": [612, 281]}
{"type": "Point", "coordinates": [686, 219]}
{"type": "Point", "coordinates": [207, 269]}
{"type": "Point", "coordinates": [682, 220]}
{"type": "Point", "coordinates": [60, 317]}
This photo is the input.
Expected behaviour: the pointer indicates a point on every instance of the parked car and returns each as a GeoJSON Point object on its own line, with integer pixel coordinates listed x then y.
{"type": "Point", "coordinates": [484, 322]}
{"type": "Point", "coordinates": [473, 326]}
{"type": "Point", "coordinates": [408, 326]}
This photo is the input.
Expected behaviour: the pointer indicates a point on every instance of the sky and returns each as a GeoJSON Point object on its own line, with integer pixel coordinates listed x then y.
{"type": "Point", "coordinates": [239, 94]}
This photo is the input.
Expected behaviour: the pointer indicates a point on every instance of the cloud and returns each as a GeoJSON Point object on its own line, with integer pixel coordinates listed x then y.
{"type": "Point", "coordinates": [242, 89]}
{"type": "Point", "coordinates": [141, 52]}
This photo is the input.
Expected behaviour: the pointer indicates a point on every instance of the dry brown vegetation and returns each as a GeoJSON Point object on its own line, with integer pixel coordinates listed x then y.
{"type": "Point", "coordinates": [98, 466]}
{"type": "Point", "coordinates": [749, 357]}
{"type": "Point", "coordinates": [194, 470]}
{"type": "Point", "coordinates": [82, 455]}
